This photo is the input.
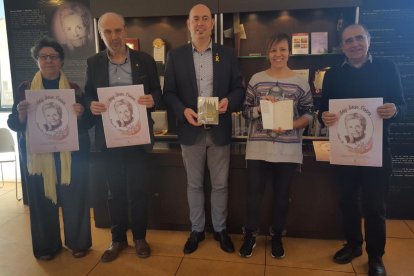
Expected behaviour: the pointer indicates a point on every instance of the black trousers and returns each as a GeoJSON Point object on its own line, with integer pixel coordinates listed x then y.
{"type": "Point", "coordinates": [365, 187]}
{"type": "Point", "coordinates": [44, 214]}
{"type": "Point", "coordinates": [281, 175]}
{"type": "Point", "coordinates": [127, 171]}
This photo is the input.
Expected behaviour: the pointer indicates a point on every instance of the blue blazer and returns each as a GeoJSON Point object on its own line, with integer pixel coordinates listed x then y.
{"type": "Point", "coordinates": [144, 71]}
{"type": "Point", "coordinates": [181, 92]}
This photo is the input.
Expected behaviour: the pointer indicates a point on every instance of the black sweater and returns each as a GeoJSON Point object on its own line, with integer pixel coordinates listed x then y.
{"type": "Point", "coordinates": [377, 79]}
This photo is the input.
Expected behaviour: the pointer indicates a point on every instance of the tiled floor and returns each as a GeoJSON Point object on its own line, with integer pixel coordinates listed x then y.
{"type": "Point", "coordinates": [308, 257]}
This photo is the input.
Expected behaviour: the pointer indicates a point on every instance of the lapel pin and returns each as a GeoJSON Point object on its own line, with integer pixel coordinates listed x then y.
{"type": "Point", "coordinates": [217, 58]}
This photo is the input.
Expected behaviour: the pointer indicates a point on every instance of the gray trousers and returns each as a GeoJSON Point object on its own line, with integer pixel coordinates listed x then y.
{"type": "Point", "coordinates": [218, 159]}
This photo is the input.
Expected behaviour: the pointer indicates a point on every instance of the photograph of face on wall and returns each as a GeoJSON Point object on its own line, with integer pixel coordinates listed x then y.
{"type": "Point", "coordinates": [72, 27]}
{"type": "Point", "coordinates": [125, 121]}
{"type": "Point", "coordinates": [52, 124]}
{"type": "Point", "coordinates": [356, 138]}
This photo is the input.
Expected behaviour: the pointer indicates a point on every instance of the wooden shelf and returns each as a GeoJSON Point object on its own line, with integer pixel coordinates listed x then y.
{"type": "Point", "coordinates": [301, 55]}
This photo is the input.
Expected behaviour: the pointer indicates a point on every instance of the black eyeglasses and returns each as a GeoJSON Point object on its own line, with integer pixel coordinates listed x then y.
{"type": "Point", "coordinates": [46, 57]}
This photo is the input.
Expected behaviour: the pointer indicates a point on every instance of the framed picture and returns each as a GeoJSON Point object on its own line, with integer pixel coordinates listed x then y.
{"type": "Point", "coordinates": [132, 43]}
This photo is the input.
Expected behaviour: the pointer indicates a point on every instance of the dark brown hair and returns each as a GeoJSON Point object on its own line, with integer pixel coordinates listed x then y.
{"type": "Point", "coordinates": [276, 38]}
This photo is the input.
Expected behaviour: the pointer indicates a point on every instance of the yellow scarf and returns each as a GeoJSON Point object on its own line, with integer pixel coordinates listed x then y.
{"type": "Point", "coordinates": [44, 163]}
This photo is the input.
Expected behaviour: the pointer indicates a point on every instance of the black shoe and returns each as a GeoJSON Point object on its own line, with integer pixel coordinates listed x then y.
{"type": "Point", "coordinates": [113, 251]}
{"type": "Point", "coordinates": [142, 248]}
{"type": "Point", "coordinates": [277, 248]}
{"type": "Point", "coordinates": [225, 241]}
{"type": "Point", "coordinates": [249, 243]}
{"type": "Point", "coordinates": [79, 253]}
{"type": "Point", "coordinates": [347, 253]}
{"type": "Point", "coordinates": [192, 242]}
{"type": "Point", "coordinates": [46, 257]}
{"type": "Point", "coordinates": [376, 267]}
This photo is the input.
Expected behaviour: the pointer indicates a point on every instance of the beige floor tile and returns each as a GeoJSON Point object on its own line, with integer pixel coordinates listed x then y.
{"type": "Point", "coordinates": [217, 268]}
{"type": "Point", "coordinates": [308, 253]}
{"type": "Point", "coordinates": [24, 263]}
{"type": "Point", "coordinates": [398, 229]}
{"type": "Point", "coordinates": [209, 249]}
{"type": "Point", "coordinates": [17, 229]}
{"type": "Point", "coordinates": [398, 258]}
{"type": "Point", "coordinates": [5, 217]}
{"type": "Point", "coordinates": [289, 271]}
{"type": "Point", "coordinates": [166, 243]}
{"type": "Point", "coordinates": [8, 187]}
{"type": "Point", "coordinates": [9, 204]}
{"type": "Point", "coordinates": [130, 264]}
{"type": "Point", "coordinates": [410, 224]}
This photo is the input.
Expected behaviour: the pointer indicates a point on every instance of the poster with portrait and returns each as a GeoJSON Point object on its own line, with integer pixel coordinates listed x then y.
{"type": "Point", "coordinates": [125, 122]}
{"type": "Point", "coordinates": [69, 22]}
{"type": "Point", "coordinates": [52, 124]}
{"type": "Point", "coordinates": [356, 138]}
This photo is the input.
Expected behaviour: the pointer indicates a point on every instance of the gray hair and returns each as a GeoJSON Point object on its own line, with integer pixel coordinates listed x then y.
{"type": "Point", "coordinates": [110, 13]}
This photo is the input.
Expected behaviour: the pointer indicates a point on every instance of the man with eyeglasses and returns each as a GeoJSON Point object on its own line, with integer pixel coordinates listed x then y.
{"type": "Point", "coordinates": [127, 168]}
{"type": "Point", "coordinates": [362, 76]}
{"type": "Point", "coordinates": [203, 68]}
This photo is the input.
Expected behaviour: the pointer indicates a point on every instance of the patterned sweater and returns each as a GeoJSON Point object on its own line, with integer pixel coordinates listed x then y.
{"type": "Point", "coordinates": [263, 144]}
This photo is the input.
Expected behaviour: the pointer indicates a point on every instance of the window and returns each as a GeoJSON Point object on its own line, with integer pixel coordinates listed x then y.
{"type": "Point", "coordinates": [6, 88]}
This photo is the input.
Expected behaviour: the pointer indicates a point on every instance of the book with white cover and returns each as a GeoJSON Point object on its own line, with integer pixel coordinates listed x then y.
{"type": "Point", "coordinates": [277, 115]}
{"type": "Point", "coordinates": [319, 43]}
{"type": "Point", "coordinates": [300, 43]}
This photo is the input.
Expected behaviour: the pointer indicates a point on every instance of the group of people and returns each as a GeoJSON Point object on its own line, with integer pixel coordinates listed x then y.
{"type": "Point", "coordinates": [203, 68]}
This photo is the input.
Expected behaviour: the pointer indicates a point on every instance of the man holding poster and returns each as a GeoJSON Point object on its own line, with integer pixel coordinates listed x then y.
{"type": "Point", "coordinates": [127, 169]}
{"type": "Point", "coordinates": [362, 76]}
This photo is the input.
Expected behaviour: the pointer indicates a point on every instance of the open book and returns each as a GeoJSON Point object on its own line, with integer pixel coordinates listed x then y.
{"type": "Point", "coordinates": [277, 115]}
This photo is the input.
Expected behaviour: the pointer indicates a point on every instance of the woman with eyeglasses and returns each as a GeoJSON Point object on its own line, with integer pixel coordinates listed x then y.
{"type": "Point", "coordinates": [72, 197]}
{"type": "Point", "coordinates": [273, 154]}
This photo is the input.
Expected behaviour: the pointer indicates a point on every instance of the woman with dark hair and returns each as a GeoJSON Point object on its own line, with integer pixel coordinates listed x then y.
{"type": "Point", "coordinates": [59, 178]}
{"type": "Point", "coordinates": [276, 153]}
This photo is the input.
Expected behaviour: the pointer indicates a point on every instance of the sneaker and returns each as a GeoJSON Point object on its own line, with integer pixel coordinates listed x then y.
{"type": "Point", "coordinates": [277, 248]}
{"type": "Point", "coordinates": [249, 243]}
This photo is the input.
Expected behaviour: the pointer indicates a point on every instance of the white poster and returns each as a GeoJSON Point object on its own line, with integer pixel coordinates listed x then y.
{"type": "Point", "coordinates": [52, 124]}
{"type": "Point", "coordinates": [356, 138]}
{"type": "Point", "coordinates": [125, 122]}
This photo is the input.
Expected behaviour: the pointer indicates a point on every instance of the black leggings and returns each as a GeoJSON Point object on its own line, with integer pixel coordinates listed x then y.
{"type": "Point", "coordinates": [281, 176]}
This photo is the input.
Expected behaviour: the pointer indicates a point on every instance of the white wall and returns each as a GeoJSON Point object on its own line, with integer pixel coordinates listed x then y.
{"type": "Point", "coordinates": [8, 168]}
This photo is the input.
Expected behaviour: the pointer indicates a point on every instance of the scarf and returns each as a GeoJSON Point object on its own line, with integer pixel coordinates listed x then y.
{"type": "Point", "coordinates": [44, 163]}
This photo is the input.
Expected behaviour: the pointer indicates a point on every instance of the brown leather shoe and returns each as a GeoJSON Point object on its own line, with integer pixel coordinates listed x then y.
{"type": "Point", "coordinates": [113, 251]}
{"type": "Point", "coordinates": [142, 248]}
